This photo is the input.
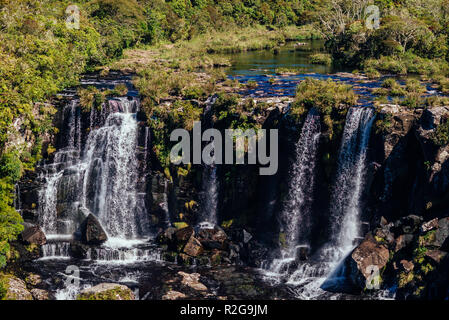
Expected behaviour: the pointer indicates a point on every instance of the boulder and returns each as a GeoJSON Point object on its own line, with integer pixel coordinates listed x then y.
{"type": "Point", "coordinates": [174, 295]}
{"type": "Point", "coordinates": [34, 235]}
{"type": "Point", "coordinates": [408, 224]}
{"type": "Point", "coordinates": [192, 280]}
{"type": "Point", "coordinates": [16, 289]}
{"type": "Point", "coordinates": [184, 234]}
{"type": "Point", "coordinates": [407, 266]}
{"type": "Point", "coordinates": [107, 291]}
{"type": "Point", "coordinates": [368, 255]}
{"type": "Point", "coordinates": [430, 225]}
{"type": "Point", "coordinates": [435, 255]}
{"type": "Point", "coordinates": [193, 247]}
{"type": "Point", "coordinates": [212, 238]}
{"type": "Point", "coordinates": [39, 294]}
{"type": "Point", "coordinates": [437, 238]}
{"type": "Point", "coordinates": [92, 232]}
{"type": "Point", "coordinates": [403, 241]}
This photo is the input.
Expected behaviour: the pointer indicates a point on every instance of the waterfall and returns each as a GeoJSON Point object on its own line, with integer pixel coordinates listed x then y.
{"type": "Point", "coordinates": [348, 188]}
{"type": "Point", "coordinates": [208, 216]}
{"type": "Point", "coordinates": [101, 179]}
{"type": "Point", "coordinates": [210, 197]}
{"type": "Point", "coordinates": [323, 270]}
{"type": "Point", "coordinates": [295, 216]}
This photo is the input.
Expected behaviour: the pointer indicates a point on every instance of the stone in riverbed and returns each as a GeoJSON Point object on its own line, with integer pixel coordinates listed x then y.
{"type": "Point", "coordinates": [16, 289]}
{"type": "Point", "coordinates": [174, 295]}
{"type": "Point", "coordinates": [192, 280]}
{"type": "Point", "coordinates": [107, 291]}
{"type": "Point", "coordinates": [369, 255]}
{"type": "Point", "coordinates": [193, 247]}
{"type": "Point", "coordinates": [39, 294]}
{"type": "Point", "coordinates": [34, 235]}
{"type": "Point", "coordinates": [92, 232]}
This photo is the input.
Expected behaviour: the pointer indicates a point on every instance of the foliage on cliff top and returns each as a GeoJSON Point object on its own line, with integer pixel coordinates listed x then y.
{"type": "Point", "coordinates": [324, 95]}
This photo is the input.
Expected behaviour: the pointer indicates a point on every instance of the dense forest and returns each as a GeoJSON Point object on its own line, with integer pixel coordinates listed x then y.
{"type": "Point", "coordinates": [40, 56]}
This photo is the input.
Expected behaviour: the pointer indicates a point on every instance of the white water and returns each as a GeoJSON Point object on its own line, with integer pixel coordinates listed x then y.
{"type": "Point", "coordinates": [102, 181]}
{"type": "Point", "coordinates": [347, 192]}
{"type": "Point", "coordinates": [295, 217]}
{"type": "Point", "coordinates": [325, 267]}
{"type": "Point", "coordinates": [210, 197]}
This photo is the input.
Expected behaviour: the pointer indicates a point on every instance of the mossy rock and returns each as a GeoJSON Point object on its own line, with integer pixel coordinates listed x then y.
{"type": "Point", "coordinates": [12, 288]}
{"type": "Point", "coordinates": [107, 291]}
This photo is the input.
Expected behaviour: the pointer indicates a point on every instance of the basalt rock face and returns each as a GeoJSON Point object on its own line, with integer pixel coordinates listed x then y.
{"type": "Point", "coordinates": [410, 173]}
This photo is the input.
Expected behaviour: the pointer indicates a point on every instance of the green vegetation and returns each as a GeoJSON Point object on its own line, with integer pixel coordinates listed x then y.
{"type": "Point", "coordinates": [441, 135]}
{"type": "Point", "coordinates": [113, 294]}
{"type": "Point", "coordinates": [321, 58]}
{"type": "Point", "coordinates": [324, 95]}
{"type": "Point", "coordinates": [412, 37]}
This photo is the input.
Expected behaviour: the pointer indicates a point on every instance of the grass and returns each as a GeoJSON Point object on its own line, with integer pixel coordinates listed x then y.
{"type": "Point", "coordinates": [407, 63]}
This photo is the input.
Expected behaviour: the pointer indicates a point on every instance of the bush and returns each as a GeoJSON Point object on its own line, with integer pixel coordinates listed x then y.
{"type": "Point", "coordinates": [441, 135]}
{"type": "Point", "coordinates": [321, 58]}
{"type": "Point", "coordinates": [323, 95]}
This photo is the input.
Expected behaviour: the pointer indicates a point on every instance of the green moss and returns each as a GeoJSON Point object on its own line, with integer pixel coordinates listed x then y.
{"type": "Point", "coordinates": [180, 225]}
{"type": "Point", "coordinates": [113, 294]}
{"type": "Point", "coordinates": [227, 224]}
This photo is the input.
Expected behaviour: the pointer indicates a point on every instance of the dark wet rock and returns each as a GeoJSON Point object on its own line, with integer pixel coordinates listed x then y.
{"type": "Point", "coordinates": [408, 224]}
{"type": "Point", "coordinates": [92, 232]}
{"type": "Point", "coordinates": [367, 255]}
{"type": "Point", "coordinates": [34, 235]}
{"type": "Point", "coordinates": [212, 238]}
{"type": "Point", "coordinates": [107, 291]}
{"type": "Point", "coordinates": [166, 236]}
{"type": "Point", "coordinates": [384, 235]}
{"type": "Point", "coordinates": [403, 241]}
{"type": "Point", "coordinates": [436, 255]}
{"type": "Point", "coordinates": [79, 250]}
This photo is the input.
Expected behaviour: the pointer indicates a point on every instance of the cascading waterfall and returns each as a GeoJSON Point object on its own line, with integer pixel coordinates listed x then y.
{"type": "Point", "coordinates": [208, 215]}
{"type": "Point", "coordinates": [345, 208]}
{"type": "Point", "coordinates": [101, 179]}
{"type": "Point", "coordinates": [348, 189]}
{"type": "Point", "coordinates": [295, 217]}
{"type": "Point", "coordinates": [210, 197]}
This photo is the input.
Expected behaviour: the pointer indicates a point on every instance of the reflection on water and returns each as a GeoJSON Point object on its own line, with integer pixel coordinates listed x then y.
{"type": "Point", "coordinates": [259, 63]}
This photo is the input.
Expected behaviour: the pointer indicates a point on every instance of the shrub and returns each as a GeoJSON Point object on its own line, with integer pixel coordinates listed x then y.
{"type": "Point", "coordinates": [323, 95]}
{"type": "Point", "coordinates": [441, 135]}
{"type": "Point", "coordinates": [321, 58]}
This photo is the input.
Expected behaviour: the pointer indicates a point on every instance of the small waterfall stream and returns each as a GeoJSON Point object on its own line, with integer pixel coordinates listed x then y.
{"type": "Point", "coordinates": [295, 217]}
